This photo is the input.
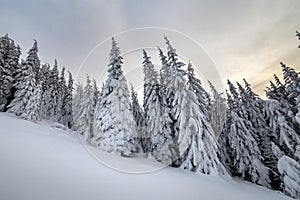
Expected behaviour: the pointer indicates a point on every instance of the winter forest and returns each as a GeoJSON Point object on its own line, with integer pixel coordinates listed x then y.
{"type": "Point", "coordinates": [180, 123]}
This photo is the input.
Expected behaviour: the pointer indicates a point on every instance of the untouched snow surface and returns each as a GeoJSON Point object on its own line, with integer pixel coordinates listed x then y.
{"type": "Point", "coordinates": [38, 161]}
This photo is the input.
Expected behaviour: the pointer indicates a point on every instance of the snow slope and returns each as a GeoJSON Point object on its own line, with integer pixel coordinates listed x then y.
{"type": "Point", "coordinates": [38, 161]}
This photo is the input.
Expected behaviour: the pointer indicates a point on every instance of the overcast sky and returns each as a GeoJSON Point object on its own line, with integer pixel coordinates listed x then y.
{"type": "Point", "coordinates": [243, 38]}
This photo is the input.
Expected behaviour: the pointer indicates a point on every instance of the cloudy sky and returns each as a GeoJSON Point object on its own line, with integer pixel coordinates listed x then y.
{"type": "Point", "coordinates": [242, 38]}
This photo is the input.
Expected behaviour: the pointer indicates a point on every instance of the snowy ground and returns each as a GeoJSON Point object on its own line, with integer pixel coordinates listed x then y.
{"type": "Point", "coordinates": [38, 162]}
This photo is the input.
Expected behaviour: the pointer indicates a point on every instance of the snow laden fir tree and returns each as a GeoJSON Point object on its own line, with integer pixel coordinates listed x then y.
{"type": "Point", "coordinates": [114, 122]}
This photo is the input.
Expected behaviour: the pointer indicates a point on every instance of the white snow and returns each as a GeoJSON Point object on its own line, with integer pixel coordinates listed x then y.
{"type": "Point", "coordinates": [38, 161]}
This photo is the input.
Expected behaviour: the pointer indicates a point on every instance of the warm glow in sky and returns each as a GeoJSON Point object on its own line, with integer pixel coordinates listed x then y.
{"type": "Point", "coordinates": [244, 39]}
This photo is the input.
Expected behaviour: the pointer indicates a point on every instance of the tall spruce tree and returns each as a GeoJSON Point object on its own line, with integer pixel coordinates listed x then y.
{"type": "Point", "coordinates": [76, 104]}
{"type": "Point", "coordinates": [67, 113]}
{"type": "Point", "coordinates": [25, 84]}
{"type": "Point", "coordinates": [86, 113]}
{"type": "Point", "coordinates": [217, 111]}
{"type": "Point", "coordinates": [53, 109]}
{"type": "Point", "coordinates": [62, 88]}
{"type": "Point", "coordinates": [152, 106]}
{"type": "Point", "coordinates": [243, 150]}
{"type": "Point", "coordinates": [253, 106]}
{"type": "Point", "coordinates": [114, 118]}
{"type": "Point", "coordinates": [34, 61]}
{"type": "Point", "coordinates": [32, 111]}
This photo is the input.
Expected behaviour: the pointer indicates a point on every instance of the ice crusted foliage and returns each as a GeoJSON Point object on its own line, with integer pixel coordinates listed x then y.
{"type": "Point", "coordinates": [261, 132]}
{"type": "Point", "coordinates": [217, 111]}
{"type": "Point", "coordinates": [197, 145]}
{"type": "Point", "coordinates": [139, 117]}
{"type": "Point", "coordinates": [54, 109]}
{"type": "Point", "coordinates": [290, 172]}
{"type": "Point", "coordinates": [24, 85]}
{"type": "Point", "coordinates": [284, 136]}
{"type": "Point", "coordinates": [9, 59]}
{"type": "Point", "coordinates": [243, 149]}
{"type": "Point", "coordinates": [114, 118]}
{"type": "Point", "coordinates": [153, 110]}
{"type": "Point", "coordinates": [67, 113]}
{"type": "Point", "coordinates": [162, 144]}
{"type": "Point", "coordinates": [34, 61]}
{"type": "Point", "coordinates": [44, 75]}
{"type": "Point", "coordinates": [195, 85]}
{"type": "Point", "coordinates": [76, 104]}
{"type": "Point", "coordinates": [86, 114]}
{"type": "Point", "coordinates": [62, 88]}
{"type": "Point", "coordinates": [137, 111]}
{"type": "Point", "coordinates": [32, 111]}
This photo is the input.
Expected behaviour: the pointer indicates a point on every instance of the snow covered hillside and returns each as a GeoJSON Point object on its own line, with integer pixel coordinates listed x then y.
{"type": "Point", "coordinates": [42, 162]}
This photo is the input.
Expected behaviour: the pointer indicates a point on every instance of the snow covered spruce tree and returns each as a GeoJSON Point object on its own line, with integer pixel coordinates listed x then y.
{"type": "Point", "coordinates": [86, 112]}
{"type": "Point", "coordinates": [137, 111]}
{"type": "Point", "coordinates": [217, 111]}
{"type": "Point", "coordinates": [25, 84]}
{"type": "Point", "coordinates": [162, 149]}
{"type": "Point", "coordinates": [253, 107]}
{"type": "Point", "coordinates": [62, 88]}
{"type": "Point", "coordinates": [115, 125]}
{"type": "Point", "coordinates": [26, 102]}
{"type": "Point", "coordinates": [139, 117]}
{"type": "Point", "coordinates": [32, 111]}
{"type": "Point", "coordinates": [285, 142]}
{"type": "Point", "coordinates": [153, 129]}
{"type": "Point", "coordinates": [197, 146]}
{"type": "Point", "coordinates": [9, 60]}
{"type": "Point", "coordinates": [76, 104]}
{"type": "Point", "coordinates": [53, 109]}
{"type": "Point", "coordinates": [290, 171]}
{"type": "Point", "coordinates": [45, 83]}
{"type": "Point", "coordinates": [34, 60]}
{"type": "Point", "coordinates": [243, 150]}
{"type": "Point", "coordinates": [292, 85]}
{"type": "Point", "coordinates": [67, 113]}
{"type": "Point", "coordinates": [195, 84]}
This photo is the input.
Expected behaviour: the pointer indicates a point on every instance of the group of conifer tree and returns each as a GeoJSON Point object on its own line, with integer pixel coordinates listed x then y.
{"type": "Point", "coordinates": [179, 124]}
{"type": "Point", "coordinates": [31, 90]}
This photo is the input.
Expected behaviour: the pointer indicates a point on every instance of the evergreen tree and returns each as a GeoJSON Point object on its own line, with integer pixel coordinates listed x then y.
{"type": "Point", "coordinates": [32, 111]}
{"type": "Point", "coordinates": [197, 145]}
{"type": "Point", "coordinates": [290, 172]}
{"type": "Point", "coordinates": [9, 60]}
{"type": "Point", "coordinates": [86, 114]}
{"type": "Point", "coordinates": [162, 144]}
{"type": "Point", "coordinates": [25, 84]}
{"type": "Point", "coordinates": [152, 107]}
{"type": "Point", "coordinates": [245, 155]}
{"type": "Point", "coordinates": [62, 88]}
{"type": "Point", "coordinates": [195, 85]}
{"type": "Point", "coordinates": [34, 61]}
{"type": "Point", "coordinates": [76, 104]}
{"type": "Point", "coordinates": [67, 113]}
{"type": "Point", "coordinates": [137, 111]}
{"type": "Point", "coordinates": [256, 122]}
{"type": "Point", "coordinates": [217, 111]}
{"type": "Point", "coordinates": [46, 95]}
{"type": "Point", "coordinates": [139, 117]}
{"type": "Point", "coordinates": [114, 119]}
{"type": "Point", "coordinates": [53, 109]}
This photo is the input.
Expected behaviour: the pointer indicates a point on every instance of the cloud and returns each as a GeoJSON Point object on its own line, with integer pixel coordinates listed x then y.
{"type": "Point", "coordinates": [242, 38]}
